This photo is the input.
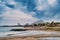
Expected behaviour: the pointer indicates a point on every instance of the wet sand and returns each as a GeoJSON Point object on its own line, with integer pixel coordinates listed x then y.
{"type": "Point", "coordinates": [33, 37]}
{"type": "Point", "coordinates": [19, 38]}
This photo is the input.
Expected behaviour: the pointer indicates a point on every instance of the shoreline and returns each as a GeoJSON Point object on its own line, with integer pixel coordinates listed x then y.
{"type": "Point", "coordinates": [30, 33]}
{"type": "Point", "coordinates": [30, 37]}
{"type": "Point", "coordinates": [33, 37]}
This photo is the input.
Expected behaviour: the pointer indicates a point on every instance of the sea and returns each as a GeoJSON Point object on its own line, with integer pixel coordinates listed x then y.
{"type": "Point", "coordinates": [5, 32]}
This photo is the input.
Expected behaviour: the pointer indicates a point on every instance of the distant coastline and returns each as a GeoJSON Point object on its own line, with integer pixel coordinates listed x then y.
{"type": "Point", "coordinates": [11, 26]}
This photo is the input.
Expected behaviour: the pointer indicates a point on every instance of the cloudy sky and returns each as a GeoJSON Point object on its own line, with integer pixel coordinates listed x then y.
{"type": "Point", "coordinates": [28, 11]}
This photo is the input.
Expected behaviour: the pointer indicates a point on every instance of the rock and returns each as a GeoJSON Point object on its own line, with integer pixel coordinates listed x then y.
{"type": "Point", "coordinates": [18, 30]}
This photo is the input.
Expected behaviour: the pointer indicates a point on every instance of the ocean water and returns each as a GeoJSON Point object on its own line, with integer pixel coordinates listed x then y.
{"type": "Point", "coordinates": [4, 31]}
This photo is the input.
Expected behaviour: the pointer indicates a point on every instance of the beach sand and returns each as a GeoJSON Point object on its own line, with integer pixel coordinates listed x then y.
{"type": "Point", "coordinates": [34, 37]}
{"type": "Point", "coordinates": [19, 38]}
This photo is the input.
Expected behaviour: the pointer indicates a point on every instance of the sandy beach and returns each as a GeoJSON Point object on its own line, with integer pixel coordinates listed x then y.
{"type": "Point", "coordinates": [30, 35]}
{"type": "Point", "coordinates": [19, 38]}
{"type": "Point", "coordinates": [33, 37]}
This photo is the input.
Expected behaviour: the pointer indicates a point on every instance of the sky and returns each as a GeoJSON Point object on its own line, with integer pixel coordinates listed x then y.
{"type": "Point", "coordinates": [28, 11]}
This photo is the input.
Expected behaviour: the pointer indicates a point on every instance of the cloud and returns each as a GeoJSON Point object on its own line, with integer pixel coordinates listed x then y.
{"type": "Point", "coordinates": [47, 9]}
{"type": "Point", "coordinates": [45, 4]}
{"type": "Point", "coordinates": [14, 16]}
{"type": "Point", "coordinates": [30, 4]}
{"type": "Point", "coordinates": [28, 11]}
{"type": "Point", "coordinates": [56, 17]}
{"type": "Point", "coordinates": [16, 13]}
{"type": "Point", "coordinates": [52, 2]}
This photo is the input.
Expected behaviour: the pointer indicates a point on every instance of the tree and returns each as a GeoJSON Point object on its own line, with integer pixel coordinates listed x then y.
{"type": "Point", "coordinates": [52, 24]}
{"type": "Point", "coordinates": [35, 24]}
{"type": "Point", "coordinates": [26, 24]}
